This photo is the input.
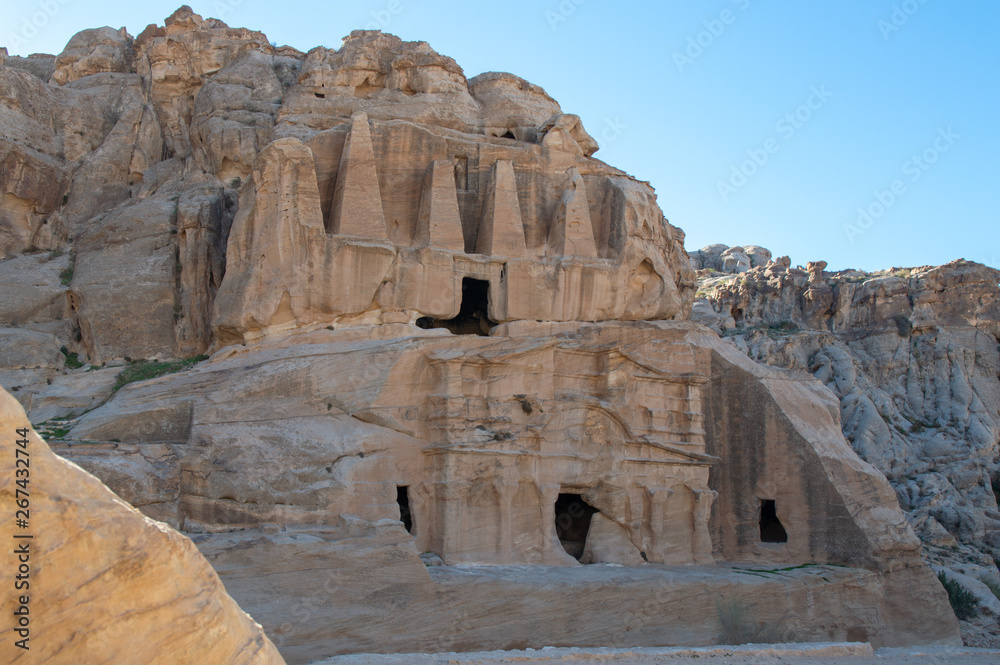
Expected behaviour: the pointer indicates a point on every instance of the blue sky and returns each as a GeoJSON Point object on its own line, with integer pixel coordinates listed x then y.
{"type": "Point", "coordinates": [861, 132]}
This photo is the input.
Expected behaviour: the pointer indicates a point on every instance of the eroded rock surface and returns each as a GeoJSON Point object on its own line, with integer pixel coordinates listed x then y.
{"type": "Point", "coordinates": [104, 582]}
{"type": "Point", "coordinates": [442, 335]}
{"type": "Point", "coordinates": [127, 159]}
{"type": "Point", "coordinates": [912, 355]}
{"type": "Point", "coordinates": [328, 445]}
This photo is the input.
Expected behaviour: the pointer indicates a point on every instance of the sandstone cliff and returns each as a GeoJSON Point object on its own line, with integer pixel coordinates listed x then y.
{"type": "Point", "coordinates": [912, 355]}
{"type": "Point", "coordinates": [451, 377]}
{"type": "Point", "coordinates": [128, 162]}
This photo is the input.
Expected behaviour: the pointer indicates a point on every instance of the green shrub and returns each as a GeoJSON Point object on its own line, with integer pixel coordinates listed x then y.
{"type": "Point", "coordinates": [66, 276]}
{"type": "Point", "coordinates": [737, 626]}
{"type": "Point", "coordinates": [963, 601]}
{"type": "Point", "coordinates": [991, 584]}
{"type": "Point", "coordinates": [72, 358]}
{"type": "Point", "coordinates": [785, 327]}
{"type": "Point", "coordinates": [903, 325]}
{"type": "Point", "coordinates": [143, 370]}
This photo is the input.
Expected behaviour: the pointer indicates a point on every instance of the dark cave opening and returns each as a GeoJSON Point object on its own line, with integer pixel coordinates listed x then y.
{"type": "Point", "coordinates": [403, 501]}
{"type": "Point", "coordinates": [771, 529]}
{"type": "Point", "coordinates": [573, 516]}
{"type": "Point", "coordinates": [473, 316]}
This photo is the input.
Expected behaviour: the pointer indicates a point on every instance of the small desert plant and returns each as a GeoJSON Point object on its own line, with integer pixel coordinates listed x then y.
{"type": "Point", "coordinates": [72, 358]}
{"type": "Point", "coordinates": [991, 584]}
{"type": "Point", "coordinates": [963, 601]}
{"type": "Point", "coordinates": [785, 326]}
{"type": "Point", "coordinates": [903, 325]}
{"type": "Point", "coordinates": [738, 626]}
{"type": "Point", "coordinates": [143, 370]}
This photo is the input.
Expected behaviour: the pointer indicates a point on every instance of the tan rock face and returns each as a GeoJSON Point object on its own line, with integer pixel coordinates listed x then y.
{"type": "Point", "coordinates": [92, 52]}
{"type": "Point", "coordinates": [492, 451]}
{"type": "Point", "coordinates": [125, 128]}
{"type": "Point", "coordinates": [105, 583]}
{"type": "Point", "coordinates": [176, 60]}
{"type": "Point", "coordinates": [395, 268]}
{"type": "Point", "coordinates": [386, 78]}
{"type": "Point", "coordinates": [31, 289]}
{"type": "Point", "coordinates": [913, 357]}
{"type": "Point", "coordinates": [610, 253]}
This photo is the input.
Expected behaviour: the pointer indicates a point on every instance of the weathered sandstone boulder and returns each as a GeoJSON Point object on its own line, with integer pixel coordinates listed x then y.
{"type": "Point", "coordinates": [40, 65]}
{"type": "Point", "coordinates": [92, 52]}
{"type": "Point", "coordinates": [103, 583]}
{"type": "Point", "coordinates": [20, 349]}
{"type": "Point", "coordinates": [176, 60]}
{"type": "Point", "coordinates": [707, 258]}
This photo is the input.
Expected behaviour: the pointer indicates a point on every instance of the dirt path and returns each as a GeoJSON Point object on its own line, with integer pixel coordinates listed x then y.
{"type": "Point", "coordinates": [786, 654]}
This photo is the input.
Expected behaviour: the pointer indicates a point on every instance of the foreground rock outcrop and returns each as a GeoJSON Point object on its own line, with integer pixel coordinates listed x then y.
{"type": "Point", "coordinates": [409, 364]}
{"type": "Point", "coordinates": [98, 581]}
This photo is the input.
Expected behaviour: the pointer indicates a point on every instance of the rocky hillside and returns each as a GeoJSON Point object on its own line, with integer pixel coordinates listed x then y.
{"type": "Point", "coordinates": [122, 161]}
{"type": "Point", "coordinates": [401, 357]}
{"type": "Point", "coordinates": [913, 356]}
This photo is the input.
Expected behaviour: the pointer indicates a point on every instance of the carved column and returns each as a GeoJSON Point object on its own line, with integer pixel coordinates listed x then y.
{"type": "Point", "coordinates": [550, 541]}
{"type": "Point", "coordinates": [420, 514]}
{"type": "Point", "coordinates": [507, 491]}
{"type": "Point", "coordinates": [658, 499]}
{"type": "Point", "coordinates": [452, 494]}
{"type": "Point", "coordinates": [701, 547]}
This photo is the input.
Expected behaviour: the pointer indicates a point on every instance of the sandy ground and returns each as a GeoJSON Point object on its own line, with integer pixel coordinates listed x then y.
{"type": "Point", "coordinates": [753, 654]}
